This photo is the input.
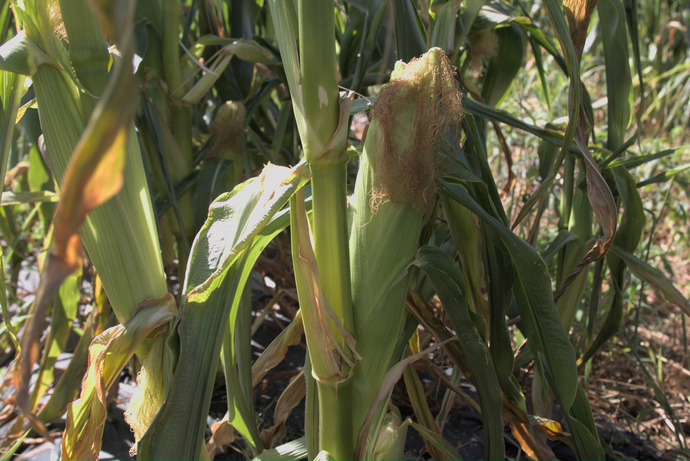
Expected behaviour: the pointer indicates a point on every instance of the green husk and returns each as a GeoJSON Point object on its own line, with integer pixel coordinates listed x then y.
{"type": "Point", "coordinates": [394, 188]}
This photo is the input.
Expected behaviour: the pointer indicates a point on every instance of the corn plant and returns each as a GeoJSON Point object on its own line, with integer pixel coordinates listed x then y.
{"type": "Point", "coordinates": [423, 222]}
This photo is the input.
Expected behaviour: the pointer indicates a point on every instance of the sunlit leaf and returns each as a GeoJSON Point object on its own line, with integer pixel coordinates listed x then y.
{"type": "Point", "coordinates": [238, 228]}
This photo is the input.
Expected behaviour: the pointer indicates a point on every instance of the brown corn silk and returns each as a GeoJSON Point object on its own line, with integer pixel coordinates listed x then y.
{"type": "Point", "coordinates": [407, 165]}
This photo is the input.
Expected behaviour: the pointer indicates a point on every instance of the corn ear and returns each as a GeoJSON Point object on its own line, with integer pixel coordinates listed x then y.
{"type": "Point", "coordinates": [394, 187]}
{"type": "Point", "coordinates": [390, 440]}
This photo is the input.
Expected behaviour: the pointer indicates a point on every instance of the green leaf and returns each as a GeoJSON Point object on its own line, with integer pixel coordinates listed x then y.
{"type": "Point", "coordinates": [558, 243]}
{"type": "Point", "coordinates": [440, 443]}
{"type": "Point", "coordinates": [664, 176]}
{"type": "Point", "coordinates": [18, 198]}
{"type": "Point", "coordinates": [627, 237]}
{"type": "Point", "coordinates": [20, 55]}
{"type": "Point", "coordinates": [504, 67]}
{"type": "Point", "coordinates": [539, 315]}
{"type": "Point", "coordinates": [63, 312]}
{"type": "Point", "coordinates": [443, 31]}
{"type": "Point", "coordinates": [291, 451]}
{"type": "Point", "coordinates": [238, 228]}
{"type": "Point", "coordinates": [654, 277]}
{"type": "Point", "coordinates": [447, 280]}
{"type": "Point", "coordinates": [361, 105]}
{"type": "Point", "coordinates": [618, 80]}
{"type": "Point", "coordinates": [237, 361]}
{"type": "Point", "coordinates": [15, 446]}
{"type": "Point", "coordinates": [11, 90]}
{"type": "Point", "coordinates": [484, 110]}
{"type": "Point", "coordinates": [540, 37]}
{"type": "Point", "coordinates": [409, 42]}
{"type": "Point", "coordinates": [555, 13]}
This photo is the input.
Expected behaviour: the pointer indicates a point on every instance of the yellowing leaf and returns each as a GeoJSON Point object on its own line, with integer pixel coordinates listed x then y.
{"type": "Point", "coordinates": [578, 13]}
{"type": "Point", "coordinates": [108, 354]}
{"type": "Point", "coordinates": [325, 344]}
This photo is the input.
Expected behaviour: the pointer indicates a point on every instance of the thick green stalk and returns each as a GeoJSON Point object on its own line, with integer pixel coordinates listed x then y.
{"type": "Point", "coordinates": [320, 99]}
{"type": "Point", "coordinates": [332, 256]}
{"type": "Point", "coordinates": [330, 238]}
{"type": "Point", "coordinates": [312, 78]}
{"type": "Point", "coordinates": [321, 105]}
{"type": "Point", "coordinates": [327, 159]}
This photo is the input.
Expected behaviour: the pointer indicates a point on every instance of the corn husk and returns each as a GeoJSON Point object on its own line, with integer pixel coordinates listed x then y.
{"type": "Point", "coordinates": [403, 152]}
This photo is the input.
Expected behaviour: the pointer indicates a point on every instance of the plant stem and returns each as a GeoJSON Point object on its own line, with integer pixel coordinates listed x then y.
{"type": "Point", "coordinates": [318, 76]}
{"type": "Point", "coordinates": [180, 121]}
{"type": "Point", "coordinates": [330, 238]}
{"type": "Point", "coordinates": [321, 112]}
{"type": "Point", "coordinates": [332, 255]}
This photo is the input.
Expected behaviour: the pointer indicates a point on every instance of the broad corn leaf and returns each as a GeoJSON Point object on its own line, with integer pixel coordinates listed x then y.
{"type": "Point", "coordinates": [238, 228]}
{"type": "Point", "coordinates": [409, 42]}
{"type": "Point", "coordinates": [438, 442]}
{"type": "Point", "coordinates": [11, 88]}
{"type": "Point", "coordinates": [554, 10]}
{"type": "Point", "coordinates": [618, 80]}
{"type": "Point", "coordinates": [504, 67]}
{"type": "Point", "coordinates": [291, 451]}
{"type": "Point", "coordinates": [236, 360]}
{"type": "Point", "coordinates": [627, 238]}
{"type": "Point", "coordinates": [442, 33]}
{"type": "Point", "coordinates": [63, 312]}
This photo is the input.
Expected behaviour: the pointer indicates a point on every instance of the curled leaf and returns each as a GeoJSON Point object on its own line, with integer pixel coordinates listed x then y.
{"type": "Point", "coordinates": [108, 355]}
{"type": "Point", "coordinates": [328, 346]}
